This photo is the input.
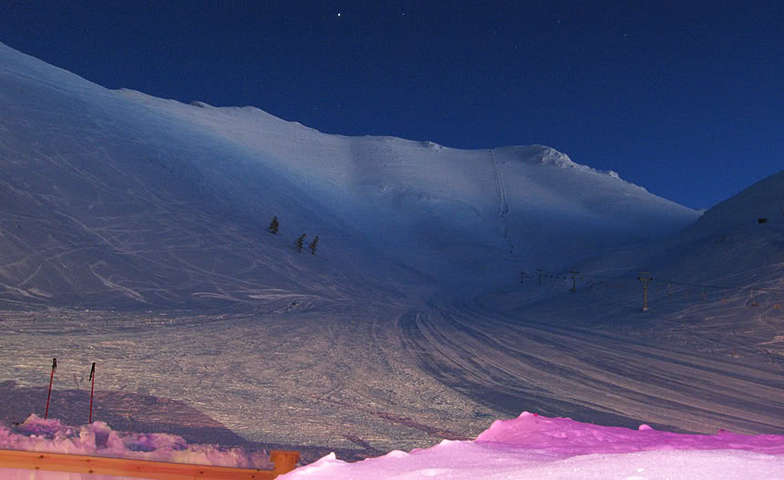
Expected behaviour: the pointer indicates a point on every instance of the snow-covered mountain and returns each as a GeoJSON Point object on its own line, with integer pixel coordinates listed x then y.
{"type": "Point", "coordinates": [408, 325]}
{"type": "Point", "coordinates": [118, 198]}
{"type": "Point", "coordinates": [715, 299]}
{"type": "Point", "coordinates": [733, 245]}
{"type": "Point", "coordinates": [757, 205]}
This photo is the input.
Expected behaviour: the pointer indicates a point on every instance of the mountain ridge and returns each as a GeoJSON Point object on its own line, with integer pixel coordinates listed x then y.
{"type": "Point", "coordinates": [148, 202]}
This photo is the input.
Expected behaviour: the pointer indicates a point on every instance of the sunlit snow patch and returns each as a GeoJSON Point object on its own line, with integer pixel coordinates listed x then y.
{"type": "Point", "coordinates": [536, 447]}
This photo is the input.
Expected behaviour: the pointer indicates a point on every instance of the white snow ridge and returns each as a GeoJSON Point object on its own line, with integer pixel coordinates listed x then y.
{"type": "Point", "coordinates": [448, 288]}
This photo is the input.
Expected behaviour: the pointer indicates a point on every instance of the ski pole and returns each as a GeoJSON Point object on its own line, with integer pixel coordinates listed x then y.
{"type": "Point", "coordinates": [92, 389]}
{"type": "Point", "coordinates": [49, 395]}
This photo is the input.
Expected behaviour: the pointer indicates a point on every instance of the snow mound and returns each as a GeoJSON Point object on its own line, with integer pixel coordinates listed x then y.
{"type": "Point", "coordinates": [566, 436]}
{"type": "Point", "coordinates": [98, 439]}
{"type": "Point", "coordinates": [528, 447]}
{"type": "Point", "coordinates": [535, 447]}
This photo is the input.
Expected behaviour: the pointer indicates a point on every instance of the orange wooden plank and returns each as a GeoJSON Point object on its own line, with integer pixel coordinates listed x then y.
{"type": "Point", "coordinates": [285, 461]}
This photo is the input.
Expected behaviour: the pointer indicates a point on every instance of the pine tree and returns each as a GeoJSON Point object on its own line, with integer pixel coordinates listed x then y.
{"type": "Point", "coordinates": [313, 245]}
{"type": "Point", "coordinates": [274, 225]}
{"type": "Point", "coordinates": [300, 242]}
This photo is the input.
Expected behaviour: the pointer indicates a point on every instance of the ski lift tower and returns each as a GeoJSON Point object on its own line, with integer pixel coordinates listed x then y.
{"type": "Point", "coordinates": [573, 273]}
{"type": "Point", "coordinates": [644, 278]}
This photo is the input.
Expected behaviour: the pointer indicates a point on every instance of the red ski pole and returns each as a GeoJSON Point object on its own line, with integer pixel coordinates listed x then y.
{"type": "Point", "coordinates": [49, 395]}
{"type": "Point", "coordinates": [92, 389]}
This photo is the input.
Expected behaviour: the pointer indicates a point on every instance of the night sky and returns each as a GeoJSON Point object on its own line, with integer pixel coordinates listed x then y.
{"type": "Point", "coordinates": [685, 98]}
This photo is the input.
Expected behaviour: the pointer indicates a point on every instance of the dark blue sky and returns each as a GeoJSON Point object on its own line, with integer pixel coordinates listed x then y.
{"type": "Point", "coordinates": [685, 98]}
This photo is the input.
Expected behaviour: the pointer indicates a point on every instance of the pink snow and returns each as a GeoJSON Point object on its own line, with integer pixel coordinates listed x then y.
{"type": "Point", "coordinates": [528, 447]}
{"type": "Point", "coordinates": [537, 447]}
{"type": "Point", "coordinates": [565, 436]}
{"type": "Point", "coordinates": [39, 435]}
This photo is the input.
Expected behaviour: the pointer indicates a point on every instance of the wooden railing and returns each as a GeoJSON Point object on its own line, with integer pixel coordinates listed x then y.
{"type": "Point", "coordinates": [284, 461]}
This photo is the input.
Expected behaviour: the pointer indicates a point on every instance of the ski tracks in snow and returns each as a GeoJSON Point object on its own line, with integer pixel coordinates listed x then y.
{"type": "Point", "coordinates": [503, 203]}
{"type": "Point", "coordinates": [515, 365]}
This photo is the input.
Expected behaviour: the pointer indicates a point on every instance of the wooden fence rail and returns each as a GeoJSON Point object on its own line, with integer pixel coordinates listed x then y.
{"type": "Point", "coordinates": [284, 461]}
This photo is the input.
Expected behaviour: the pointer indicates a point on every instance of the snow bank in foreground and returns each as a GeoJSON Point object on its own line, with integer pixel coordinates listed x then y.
{"type": "Point", "coordinates": [528, 447]}
{"type": "Point", "coordinates": [37, 434]}
{"type": "Point", "coordinates": [535, 447]}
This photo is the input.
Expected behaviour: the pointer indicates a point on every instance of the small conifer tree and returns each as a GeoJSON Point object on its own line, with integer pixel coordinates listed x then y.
{"type": "Point", "coordinates": [300, 242]}
{"type": "Point", "coordinates": [274, 225]}
{"type": "Point", "coordinates": [313, 245]}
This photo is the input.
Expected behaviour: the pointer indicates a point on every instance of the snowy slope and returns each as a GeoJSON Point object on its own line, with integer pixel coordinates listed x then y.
{"type": "Point", "coordinates": [734, 244]}
{"type": "Point", "coordinates": [708, 354]}
{"type": "Point", "coordinates": [763, 200]}
{"type": "Point", "coordinates": [106, 203]}
{"type": "Point", "coordinates": [115, 199]}
{"type": "Point", "coordinates": [118, 198]}
{"type": "Point", "coordinates": [436, 208]}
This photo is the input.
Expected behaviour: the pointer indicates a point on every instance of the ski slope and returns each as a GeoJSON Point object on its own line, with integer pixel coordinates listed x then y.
{"type": "Point", "coordinates": [133, 234]}
{"type": "Point", "coordinates": [116, 198]}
